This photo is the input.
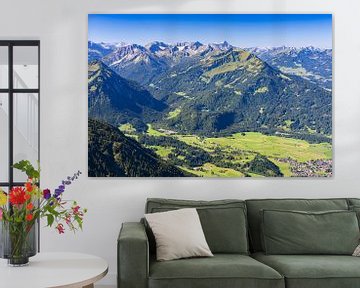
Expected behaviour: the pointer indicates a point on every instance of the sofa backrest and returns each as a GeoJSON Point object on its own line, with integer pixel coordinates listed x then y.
{"type": "Point", "coordinates": [255, 206]}
{"type": "Point", "coordinates": [223, 221]}
{"type": "Point", "coordinates": [353, 202]}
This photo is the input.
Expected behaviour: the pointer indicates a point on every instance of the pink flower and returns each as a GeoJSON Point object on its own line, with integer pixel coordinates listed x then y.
{"type": "Point", "coordinates": [1, 214]}
{"type": "Point", "coordinates": [76, 210]}
{"type": "Point", "coordinates": [68, 219]}
{"type": "Point", "coordinates": [60, 228]}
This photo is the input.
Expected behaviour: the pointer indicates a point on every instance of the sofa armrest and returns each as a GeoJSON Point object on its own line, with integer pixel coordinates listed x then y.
{"type": "Point", "coordinates": [133, 256]}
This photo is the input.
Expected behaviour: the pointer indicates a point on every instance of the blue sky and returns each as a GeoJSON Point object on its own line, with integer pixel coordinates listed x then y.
{"type": "Point", "coordinates": [242, 30]}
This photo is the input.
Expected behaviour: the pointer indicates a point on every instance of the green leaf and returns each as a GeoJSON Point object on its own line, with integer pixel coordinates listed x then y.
{"type": "Point", "coordinates": [26, 167]}
{"type": "Point", "coordinates": [50, 219]}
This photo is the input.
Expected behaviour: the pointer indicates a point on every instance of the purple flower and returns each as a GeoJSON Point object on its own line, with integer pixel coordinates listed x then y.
{"type": "Point", "coordinates": [46, 194]}
{"type": "Point", "coordinates": [65, 183]}
{"type": "Point", "coordinates": [58, 192]}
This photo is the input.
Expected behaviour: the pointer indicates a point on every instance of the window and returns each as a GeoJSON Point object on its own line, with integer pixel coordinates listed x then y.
{"type": "Point", "coordinates": [19, 108]}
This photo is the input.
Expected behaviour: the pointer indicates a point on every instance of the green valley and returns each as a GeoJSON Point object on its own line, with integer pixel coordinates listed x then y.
{"type": "Point", "coordinates": [231, 156]}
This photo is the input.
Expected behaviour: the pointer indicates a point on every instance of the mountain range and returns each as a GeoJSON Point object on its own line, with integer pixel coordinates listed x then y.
{"type": "Point", "coordinates": [196, 88]}
{"type": "Point", "coordinates": [206, 90]}
{"type": "Point", "coordinates": [234, 90]}
{"type": "Point", "coordinates": [310, 63]}
{"type": "Point", "coordinates": [117, 100]}
{"type": "Point", "coordinates": [158, 48]}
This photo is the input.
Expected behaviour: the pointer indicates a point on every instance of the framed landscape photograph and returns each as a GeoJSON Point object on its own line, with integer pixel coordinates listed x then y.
{"type": "Point", "coordinates": [210, 95]}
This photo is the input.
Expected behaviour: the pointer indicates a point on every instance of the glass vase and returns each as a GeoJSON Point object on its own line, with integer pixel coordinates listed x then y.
{"type": "Point", "coordinates": [18, 242]}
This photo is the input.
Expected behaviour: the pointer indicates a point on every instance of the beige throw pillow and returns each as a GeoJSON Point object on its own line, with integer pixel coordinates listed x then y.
{"type": "Point", "coordinates": [357, 251]}
{"type": "Point", "coordinates": [178, 234]}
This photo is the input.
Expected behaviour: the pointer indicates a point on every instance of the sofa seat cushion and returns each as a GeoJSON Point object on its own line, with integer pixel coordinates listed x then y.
{"type": "Point", "coordinates": [314, 271]}
{"type": "Point", "coordinates": [222, 270]}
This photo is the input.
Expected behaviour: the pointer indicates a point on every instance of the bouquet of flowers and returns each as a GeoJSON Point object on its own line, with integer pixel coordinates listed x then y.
{"type": "Point", "coordinates": [23, 206]}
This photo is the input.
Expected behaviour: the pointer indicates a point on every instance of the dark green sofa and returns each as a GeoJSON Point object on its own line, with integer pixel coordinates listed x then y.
{"type": "Point", "coordinates": [232, 230]}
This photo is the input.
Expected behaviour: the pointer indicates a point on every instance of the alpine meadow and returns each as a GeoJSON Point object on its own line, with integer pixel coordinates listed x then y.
{"type": "Point", "coordinates": [200, 95]}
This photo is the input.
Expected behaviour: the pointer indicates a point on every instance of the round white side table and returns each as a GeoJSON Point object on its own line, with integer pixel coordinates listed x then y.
{"type": "Point", "coordinates": [54, 270]}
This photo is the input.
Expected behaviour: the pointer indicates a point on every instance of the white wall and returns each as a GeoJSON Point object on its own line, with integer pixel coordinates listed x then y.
{"type": "Point", "coordinates": [62, 28]}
